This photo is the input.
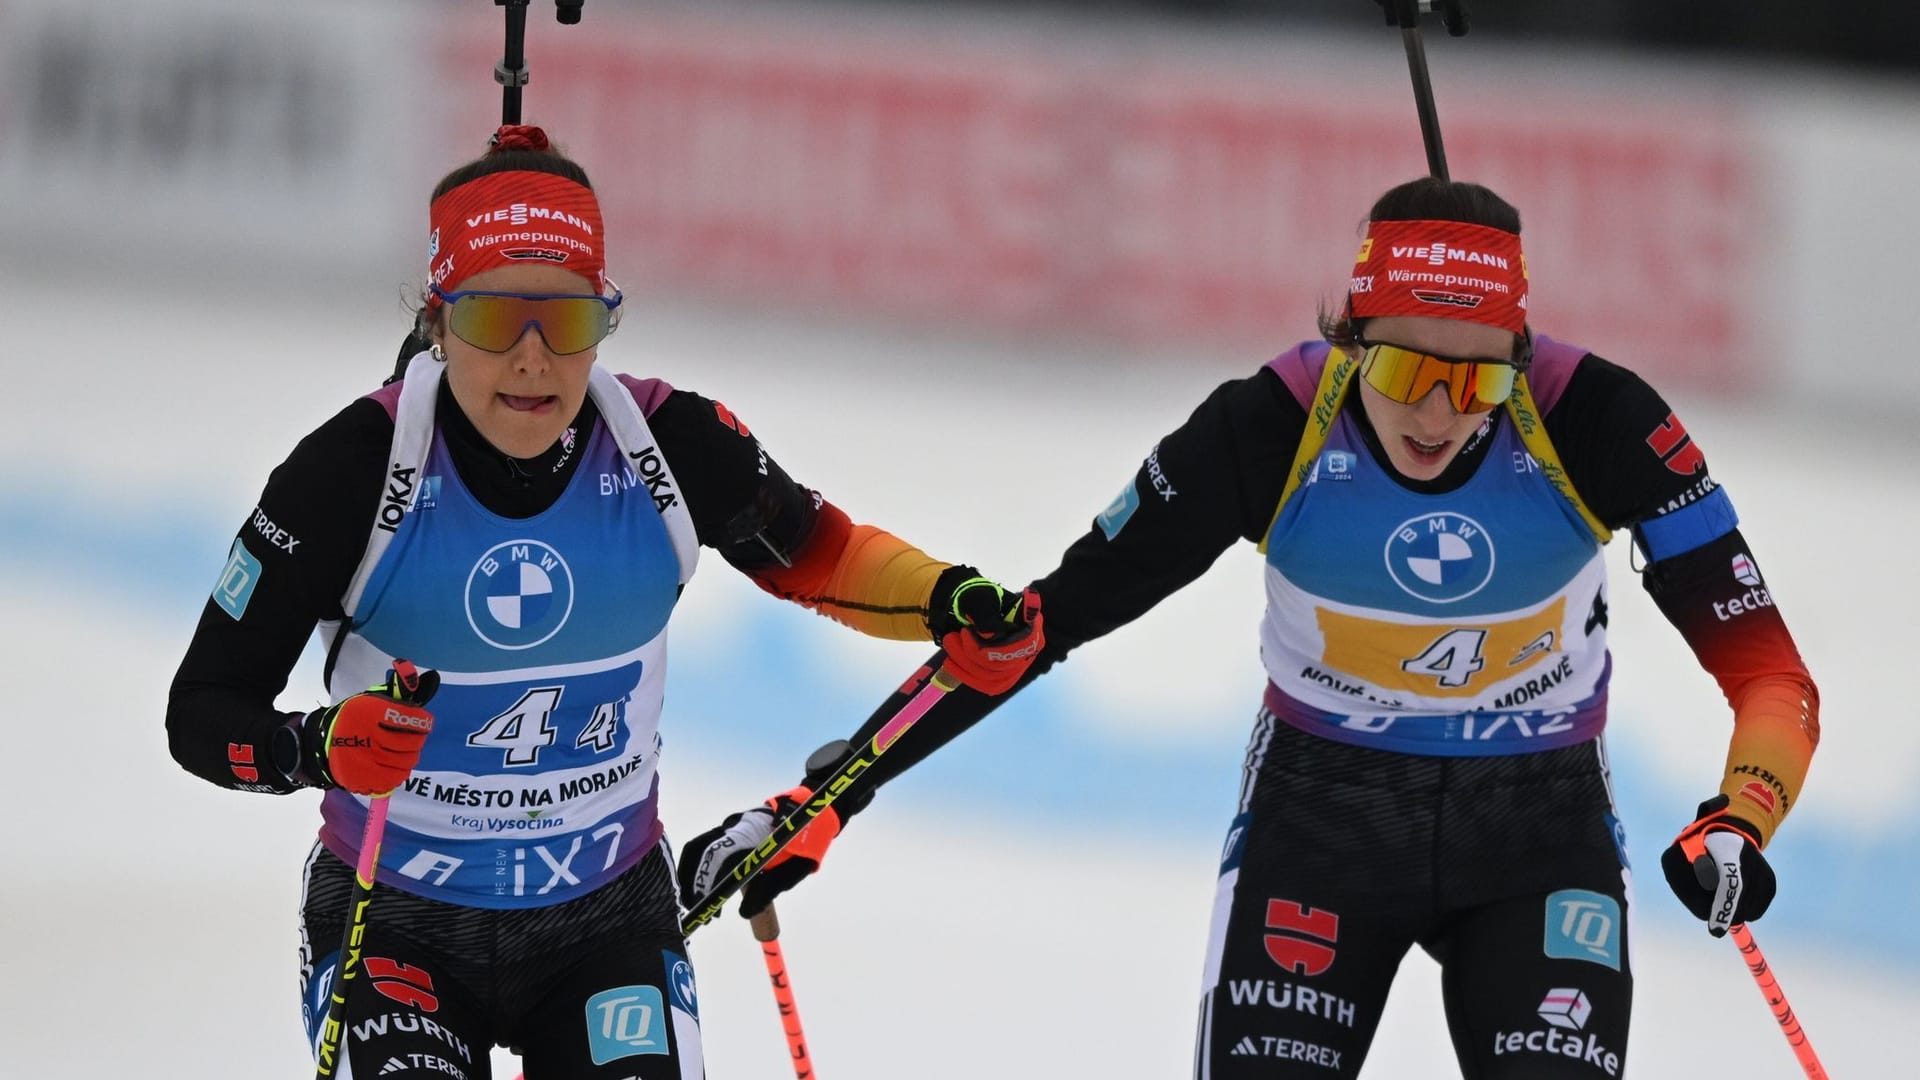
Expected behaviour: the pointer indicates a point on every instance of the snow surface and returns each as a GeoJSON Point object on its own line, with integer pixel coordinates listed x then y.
{"type": "Point", "coordinates": [995, 913]}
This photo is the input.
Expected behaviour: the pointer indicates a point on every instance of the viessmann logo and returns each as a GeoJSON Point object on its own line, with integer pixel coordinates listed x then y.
{"type": "Point", "coordinates": [1441, 254]}
{"type": "Point", "coordinates": [521, 213]}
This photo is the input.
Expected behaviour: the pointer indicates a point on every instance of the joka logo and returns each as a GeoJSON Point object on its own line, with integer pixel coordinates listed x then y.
{"type": "Point", "coordinates": [519, 594]}
{"type": "Point", "coordinates": [1744, 571]}
{"type": "Point", "coordinates": [1567, 1010]}
{"type": "Point", "coordinates": [1440, 557]}
{"type": "Point", "coordinates": [404, 983]}
{"type": "Point", "coordinates": [1583, 925]}
{"type": "Point", "coordinates": [1291, 948]}
{"type": "Point", "coordinates": [626, 1021]}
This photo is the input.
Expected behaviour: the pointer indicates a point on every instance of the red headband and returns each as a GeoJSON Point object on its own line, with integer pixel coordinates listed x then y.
{"type": "Point", "coordinates": [507, 218]}
{"type": "Point", "coordinates": [1443, 269]}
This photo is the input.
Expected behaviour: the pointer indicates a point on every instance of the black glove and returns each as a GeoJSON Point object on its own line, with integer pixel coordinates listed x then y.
{"type": "Point", "coordinates": [991, 636]}
{"type": "Point", "coordinates": [708, 859]}
{"type": "Point", "coordinates": [1715, 867]}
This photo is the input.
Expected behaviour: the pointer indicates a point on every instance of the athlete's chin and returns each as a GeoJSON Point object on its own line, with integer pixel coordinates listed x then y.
{"type": "Point", "coordinates": [521, 434]}
{"type": "Point", "coordinates": [1411, 469]}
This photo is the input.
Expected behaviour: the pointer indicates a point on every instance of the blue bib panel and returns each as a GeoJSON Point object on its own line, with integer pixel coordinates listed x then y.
{"type": "Point", "coordinates": [538, 782]}
{"type": "Point", "coordinates": [1453, 624]}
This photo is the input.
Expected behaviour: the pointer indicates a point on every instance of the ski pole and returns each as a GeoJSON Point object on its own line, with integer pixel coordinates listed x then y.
{"type": "Point", "coordinates": [847, 773]}
{"type": "Point", "coordinates": [1406, 15]}
{"type": "Point", "coordinates": [332, 1030]}
{"type": "Point", "coordinates": [511, 70]}
{"type": "Point", "coordinates": [404, 678]}
{"type": "Point", "coordinates": [766, 930]}
{"type": "Point", "coordinates": [1762, 973]}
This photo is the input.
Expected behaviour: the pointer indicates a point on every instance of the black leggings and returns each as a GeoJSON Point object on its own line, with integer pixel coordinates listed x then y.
{"type": "Point", "coordinates": [597, 988]}
{"type": "Point", "coordinates": [1508, 870]}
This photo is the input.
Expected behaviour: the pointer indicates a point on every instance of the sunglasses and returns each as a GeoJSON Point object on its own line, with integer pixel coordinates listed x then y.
{"type": "Point", "coordinates": [1408, 375]}
{"type": "Point", "coordinates": [495, 321]}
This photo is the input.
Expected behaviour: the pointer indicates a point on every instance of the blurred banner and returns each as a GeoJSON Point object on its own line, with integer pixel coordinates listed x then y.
{"type": "Point", "coordinates": [1138, 188]}
{"type": "Point", "coordinates": [141, 135]}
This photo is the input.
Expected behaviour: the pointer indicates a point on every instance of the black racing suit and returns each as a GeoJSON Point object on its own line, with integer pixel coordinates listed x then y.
{"type": "Point", "coordinates": [1508, 869]}
{"type": "Point", "coordinates": [566, 985]}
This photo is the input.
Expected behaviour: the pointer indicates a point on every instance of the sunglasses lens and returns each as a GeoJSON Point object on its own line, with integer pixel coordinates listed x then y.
{"type": "Point", "coordinates": [1407, 376]}
{"type": "Point", "coordinates": [1480, 387]}
{"type": "Point", "coordinates": [568, 324]}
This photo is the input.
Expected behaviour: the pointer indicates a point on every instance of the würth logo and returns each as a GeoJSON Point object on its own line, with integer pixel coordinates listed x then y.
{"type": "Point", "coordinates": [1307, 935]}
{"type": "Point", "coordinates": [1679, 452]}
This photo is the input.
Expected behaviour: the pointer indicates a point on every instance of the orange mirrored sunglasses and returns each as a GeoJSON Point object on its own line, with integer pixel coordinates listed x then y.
{"type": "Point", "coordinates": [1409, 375]}
{"type": "Point", "coordinates": [495, 321]}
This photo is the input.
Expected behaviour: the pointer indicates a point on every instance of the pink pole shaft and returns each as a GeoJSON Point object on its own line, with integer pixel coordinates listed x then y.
{"type": "Point", "coordinates": [1762, 973]}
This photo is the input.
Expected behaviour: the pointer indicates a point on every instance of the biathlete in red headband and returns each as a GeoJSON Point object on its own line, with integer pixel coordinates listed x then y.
{"type": "Point", "coordinates": [518, 522]}
{"type": "Point", "coordinates": [1431, 485]}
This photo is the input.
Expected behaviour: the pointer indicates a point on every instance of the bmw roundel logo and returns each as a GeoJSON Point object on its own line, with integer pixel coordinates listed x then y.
{"type": "Point", "coordinates": [680, 979]}
{"type": "Point", "coordinates": [519, 594]}
{"type": "Point", "coordinates": [1440, 557]}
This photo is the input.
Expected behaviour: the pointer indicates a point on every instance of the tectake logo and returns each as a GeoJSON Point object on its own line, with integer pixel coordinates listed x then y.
{"type": "Point", "coordinates": [519, 594]}
{"type": "Point", "coordinates": [1566, 1010]}
{"type": "Point", "coordinates": [1744, 571]}
{"type": "Point", "coordinates": [1440, 558]}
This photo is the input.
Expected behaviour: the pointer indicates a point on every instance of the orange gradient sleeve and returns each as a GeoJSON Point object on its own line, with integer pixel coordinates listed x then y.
{"type": "Point", "coordinates": [1745, 646]}
{"type": "Point", "coordinates": [1776, 725]}
{"type": "Point", "coordinates": [864, 577]}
